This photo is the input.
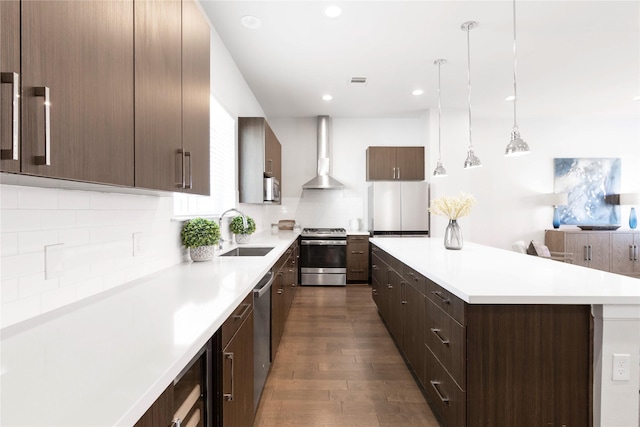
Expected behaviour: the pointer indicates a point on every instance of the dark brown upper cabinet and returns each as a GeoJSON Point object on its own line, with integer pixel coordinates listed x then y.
{"type": "Point", "coordinates": [77, 89]}
{"type": "Point", "coordinates": [172, 96]}
{"type": "Point", "coordinates": [10, 87]}
{"type": "Point", "coordinates": [395, 164]}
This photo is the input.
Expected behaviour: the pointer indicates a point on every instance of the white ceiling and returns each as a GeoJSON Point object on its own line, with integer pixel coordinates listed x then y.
{"type": "Point", "coordinates": [574, 57]}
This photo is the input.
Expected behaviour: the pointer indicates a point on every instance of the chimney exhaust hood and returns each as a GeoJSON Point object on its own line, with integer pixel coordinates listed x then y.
{"type": "Point", "coordinates": [323, 179]}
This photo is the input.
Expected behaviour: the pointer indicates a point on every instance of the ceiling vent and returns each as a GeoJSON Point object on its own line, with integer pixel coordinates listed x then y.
{"type": "Point", "coordinates": [358, 81]}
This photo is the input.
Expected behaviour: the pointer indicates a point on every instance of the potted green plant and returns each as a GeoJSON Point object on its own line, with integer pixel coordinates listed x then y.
{"type": "Point", "coordinates": [200, 235]}
{"type": "Point", "coordinates": [242, 233]}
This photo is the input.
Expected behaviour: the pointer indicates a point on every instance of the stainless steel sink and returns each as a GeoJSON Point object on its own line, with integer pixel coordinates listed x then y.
{"type": "Point", "coordinates": [248, 251]}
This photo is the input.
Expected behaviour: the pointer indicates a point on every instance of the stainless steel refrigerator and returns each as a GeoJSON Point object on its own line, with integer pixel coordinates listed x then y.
{"type": "Point", "coordinates": [399, 208]}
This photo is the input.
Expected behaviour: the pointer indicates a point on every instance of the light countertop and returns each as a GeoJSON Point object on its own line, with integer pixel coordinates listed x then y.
{"type": "Point", "coordinates": [484, 275]}
{"type": "Point", "coordinates": [103, 362]}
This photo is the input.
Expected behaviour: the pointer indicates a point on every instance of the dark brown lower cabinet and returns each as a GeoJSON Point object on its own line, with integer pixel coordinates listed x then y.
{"type": "Point", "coordinates": [283, 290]}
{"type": "Point", "coordinates": [489, 365]}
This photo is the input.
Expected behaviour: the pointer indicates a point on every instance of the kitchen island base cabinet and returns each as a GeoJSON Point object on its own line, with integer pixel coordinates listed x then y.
{"type": "Point", "coordinates": [488, 365]}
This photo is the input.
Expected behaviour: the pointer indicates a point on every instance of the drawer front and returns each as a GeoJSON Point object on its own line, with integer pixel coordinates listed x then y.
{"type": "Point", "coordinates": [448, 302]}
{"type": "Point", "coordinates": [446, 339]}
{"type": "Point", "coordinates": [358, 239]}
{"type": "Point", "coordinates": [233, 322]}
{"type": "Point", "coordinates": [379, 270]}
{"type": "Point", "coordinates": [445, 397]}
{"type": "Point", "coordinates": [358, 262]}
{"type": "Point", "coordinates": [415, 279]}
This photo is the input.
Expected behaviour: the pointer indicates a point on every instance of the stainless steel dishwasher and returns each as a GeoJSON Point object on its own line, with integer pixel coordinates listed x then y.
{"type": "Point", "coordinates": [261, 335]}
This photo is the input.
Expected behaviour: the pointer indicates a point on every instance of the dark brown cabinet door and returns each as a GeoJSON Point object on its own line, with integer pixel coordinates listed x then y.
{"type": "Point", "coordinates": [273, 153]}
{"type": "Point", "coordinates": [396, 307]}
{"type": "Point", "coordinates": [277, 308]}
{"type": "Point", "coordinates": [10, 87]}
{"type": "Point", "coordinates": [195, 98]}
{"type": "Point", "coordinates": [381, 163]}
{"type": "Point", "coordinates": [237, 378]}
{"type": "Point", "coordinates": [414, 329]}
{"type": "Point", "coordinates": [410, 163]}
{"type": "Point", "coordinates": [80, 54]}
{"type": "Point", "coordinates": [158, 95]}
{"type": "Point", "coordinates": [160, 414]}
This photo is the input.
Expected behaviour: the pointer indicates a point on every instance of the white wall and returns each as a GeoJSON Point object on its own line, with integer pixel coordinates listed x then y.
{"type": "Point", "coordinates": [350, 138]}
{"type": "Point", "coordinates": [95, 227]}
{"type": "Point", "coordinates": [510, 191]}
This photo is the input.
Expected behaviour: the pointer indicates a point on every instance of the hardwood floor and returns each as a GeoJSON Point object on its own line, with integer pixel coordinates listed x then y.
{"type": "Point", "coordinates": [337, 366]}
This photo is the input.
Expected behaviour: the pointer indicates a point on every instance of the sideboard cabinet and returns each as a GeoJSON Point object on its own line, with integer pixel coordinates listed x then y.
{"type": "Point", "coordinates": [613, 251]}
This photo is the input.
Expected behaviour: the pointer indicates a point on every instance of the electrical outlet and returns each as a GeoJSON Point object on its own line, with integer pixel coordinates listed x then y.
{"type": "Point", "coordinates": [138, 243]}
{"type": "Point", "coordinates": [53, 261]}
{"type": "Point", "coordinates": [621, 364]}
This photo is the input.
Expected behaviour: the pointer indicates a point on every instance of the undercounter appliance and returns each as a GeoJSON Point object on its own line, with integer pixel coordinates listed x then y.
{"type": "Point", "coordinates": [261, 335]}
{"type": "Point", "coordinates": [399, 208]}
{"type": "Point", "coordinates": [323, 257]}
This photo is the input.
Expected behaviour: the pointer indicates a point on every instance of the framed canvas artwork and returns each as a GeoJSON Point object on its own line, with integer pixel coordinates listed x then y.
{"type": "Point", "coordinates": [587, 182]}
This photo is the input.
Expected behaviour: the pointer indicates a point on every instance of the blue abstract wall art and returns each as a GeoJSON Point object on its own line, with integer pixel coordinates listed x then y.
{"type": "Point", "coordinates": [587, 181]}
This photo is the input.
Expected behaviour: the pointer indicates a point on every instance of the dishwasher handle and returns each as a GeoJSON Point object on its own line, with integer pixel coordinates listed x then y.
{"type": "Point", "coordinates": [258, 292]}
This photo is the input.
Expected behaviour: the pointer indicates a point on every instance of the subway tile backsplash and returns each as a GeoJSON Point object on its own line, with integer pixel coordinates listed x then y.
{"type": "Point", "coordinates": [96, 230]}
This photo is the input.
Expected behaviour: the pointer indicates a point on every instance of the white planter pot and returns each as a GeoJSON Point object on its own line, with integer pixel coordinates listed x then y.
{"type": "Point", "coordinates": [201, 253]}
{"type": "Point", "coordinates": [242, 238]}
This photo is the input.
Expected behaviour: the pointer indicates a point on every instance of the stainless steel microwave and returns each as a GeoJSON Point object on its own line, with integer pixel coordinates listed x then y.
{"type": "Point", "coordinates": [271, 190]}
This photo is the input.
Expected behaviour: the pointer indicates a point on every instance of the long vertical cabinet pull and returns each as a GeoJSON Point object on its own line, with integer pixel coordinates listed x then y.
{"type": "Point", "coordinates": [586, 253]}
{"type": "Point", "coordinates": [398, 172]}
{"type": "Point", "coordinates": [44, 92]}
{"type": "Point", "coordinates": [229, 396]}
{"type": "Point", "coordinates": [632, 252]}
{"type": "Point", "coordinates": [14, 79]}
{"type": "Point", "coordinates": [182, 182]}
{"type": "Point", "coordinates": [590, 253]}
{"type": "Point", "coordinates": [190, 185]}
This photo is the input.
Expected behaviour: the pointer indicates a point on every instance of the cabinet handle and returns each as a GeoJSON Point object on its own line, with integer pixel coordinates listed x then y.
{"type": "Point", "coordinates": [435, 385]}
{"type": "Point", "coordinates": [404, 302]}
{"type": "Point", "coordinates": [229, 396]}
{"type": "Point", "coordinates": [357, 252]}
{"type": "Point", "coordinates": [442, 298]}
{"type": "Point", "coordinates": [280, 291]}
{"type": "Point", "coordinates": [394, 173]}
{"type": "Point", "coordinates": [270, 168]}
{"type": "Point", "coordinates": [14, 79]}
{"type": "Point", "coordinates": [190, 186]}
{"type": "Point", "coordinates": [398, 172]}
{"type": "Point", "coordinates": [374, 292]}
{"type": "Point", "coordinates": [586, 253]}
{"type": "Point", "coordinates": [632, 252]}
{"type": "Point", "coordinates": [389, 286]}
{"type": "Point", "coordinates": [44, 92]}
{"type": "Point", "coordinates": [357, 270]}
{"type": "Point", "coordinates": [182, 183]}
{"type": "Point", "coordinates": [590, 253]}
{"type": "Point", "coordinates": [177, 422]}
{"type": "Point", "coordinates": [293, 285]}
{"type": "Point", "coordinates": [436, 332]}
{"type": "Point", "coordinates": [244, 312]}
{"type": "Point", "coordinates": [373, 266]}
{"type": "Point", "coordinates": [635, 253]}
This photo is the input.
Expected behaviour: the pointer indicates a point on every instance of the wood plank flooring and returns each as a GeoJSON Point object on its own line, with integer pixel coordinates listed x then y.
{"type": "Point", "coordinates": [337, 366]}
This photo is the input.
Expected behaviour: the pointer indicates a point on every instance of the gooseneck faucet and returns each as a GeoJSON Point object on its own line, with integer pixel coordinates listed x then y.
{"type": "Point", "coordinates": [244, 223]}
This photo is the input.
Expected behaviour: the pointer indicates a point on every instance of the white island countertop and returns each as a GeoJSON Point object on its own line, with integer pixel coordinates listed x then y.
{"type": "Point", "coordinates": [103, 362]}
{"type": "Point", "coordinates": [481, 274]}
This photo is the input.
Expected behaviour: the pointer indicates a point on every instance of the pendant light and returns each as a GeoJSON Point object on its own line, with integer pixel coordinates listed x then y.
{"type": "Point", "coordinates": [439, 170]}
{"type": "Point", "coordinates": [517, 146]}
{"type": "Point", "coordinates": [472, 161]}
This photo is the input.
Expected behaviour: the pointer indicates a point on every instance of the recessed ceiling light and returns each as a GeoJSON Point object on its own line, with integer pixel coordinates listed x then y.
{"type": "Point", "coordinates": [636, 98]}
{"type": "Point", "coordinates": [327, 97]}
{"type": "Point", "coordinates": [333, 11]}
{"type": "Point", "coordinates": [251, 22]}
{"type": "Point", "coordinates": [417, 92]}
{"type": "Point", "coordinates": [510, 98]}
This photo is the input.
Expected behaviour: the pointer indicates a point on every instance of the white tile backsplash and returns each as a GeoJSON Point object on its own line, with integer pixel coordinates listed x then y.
{"type": "Point", "coordinates": [96, 229]}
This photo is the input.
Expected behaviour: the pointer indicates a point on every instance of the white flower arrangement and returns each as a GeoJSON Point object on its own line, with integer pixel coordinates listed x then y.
{"type": "Point", "coordinates": [453, 207]}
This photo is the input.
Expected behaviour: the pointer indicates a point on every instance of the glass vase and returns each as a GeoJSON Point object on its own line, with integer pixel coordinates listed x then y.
{"type": "Point", "coordinates": [633, 219]}
{"type": "Point", "coordinates": [556, 217]}
{"type": "Point", "coordinates": [453, 235]}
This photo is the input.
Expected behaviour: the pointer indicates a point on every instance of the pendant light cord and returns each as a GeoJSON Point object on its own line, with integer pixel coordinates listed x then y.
{"type": "Point", "coordinates": [439, 114]}
{"type": "Point", "coordinates": [515, 61]}
{"type": "Point", "coordinates": [469, 81]}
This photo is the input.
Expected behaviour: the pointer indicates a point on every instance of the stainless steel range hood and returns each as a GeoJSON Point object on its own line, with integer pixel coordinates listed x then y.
{"type": "Point", "coordinates": [323, 179]}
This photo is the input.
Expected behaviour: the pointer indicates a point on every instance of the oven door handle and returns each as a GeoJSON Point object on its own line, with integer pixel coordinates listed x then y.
{"type": "Point", "coordinates": [324, 242]}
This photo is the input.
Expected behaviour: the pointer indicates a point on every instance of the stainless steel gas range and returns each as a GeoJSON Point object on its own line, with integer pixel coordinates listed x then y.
{"type": "Point", "coordinates": [323, 257]}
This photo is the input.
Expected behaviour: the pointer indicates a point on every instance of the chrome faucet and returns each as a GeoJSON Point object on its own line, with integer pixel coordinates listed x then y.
{"type": "Point", "coordinates": [244, 223]}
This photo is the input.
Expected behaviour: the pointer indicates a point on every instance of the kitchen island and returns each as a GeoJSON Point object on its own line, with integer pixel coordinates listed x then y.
{"type": "Point", "coordinates": [105, 360]}
{"type": "Point", "coordinates": [488, 282]}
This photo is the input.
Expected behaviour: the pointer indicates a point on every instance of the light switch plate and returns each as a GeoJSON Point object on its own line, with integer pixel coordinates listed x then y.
{"type": "Point", "coordinates": [53, 261]}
